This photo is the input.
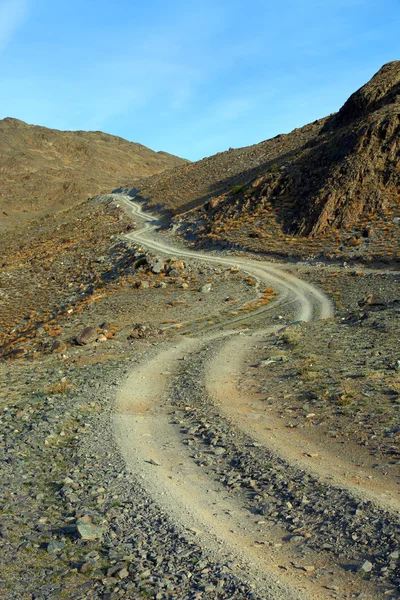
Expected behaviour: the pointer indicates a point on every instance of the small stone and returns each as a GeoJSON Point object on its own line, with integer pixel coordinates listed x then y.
{"type": "Point", "coordinates": [55, 546]}
{"type": "Point", "coordinates": [86, 336]}
{"type": "Point", "coordinates": [308, 568]}
{"type": "Point", "coordinates": [87, 530]}
{"type": "Point", "coordinates": [219, 450]}
{"type": "Point", "coordinates": [366, 567]}
{"type": "Point", "coordinates": [123, 573]}
{"type": "Point", "coordinates": [206, 288]}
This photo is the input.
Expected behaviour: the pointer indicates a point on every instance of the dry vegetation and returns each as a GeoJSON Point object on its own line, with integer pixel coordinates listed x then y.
{"type": "Point", "coordinates": [54, 267]}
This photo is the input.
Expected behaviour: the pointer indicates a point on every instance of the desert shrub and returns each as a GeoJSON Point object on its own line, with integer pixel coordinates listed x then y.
{"type": "Point", "coordinates": [237, 189]}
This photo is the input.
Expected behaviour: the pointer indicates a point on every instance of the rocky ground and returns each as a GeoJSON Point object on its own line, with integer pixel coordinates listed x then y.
{"type": "Point", "coordinates": [314, 516]}
{"type": "Point", "coordinates": [77, 523]}
{"type": "Point", "coordinates": [58, 268]}
{"type": "Point", "coordinates": [328, 190]}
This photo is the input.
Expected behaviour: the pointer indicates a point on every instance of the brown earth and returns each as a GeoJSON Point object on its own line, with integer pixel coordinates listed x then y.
{"type": "Point", "coordinates": [61, 267]}
{"type": "Point", "coordinates": [331, 385]}
{"type": "Point", "coordinates": [75, 270]}
{"type": "Point", "coordinates": [44, 170]}
{"type": "Point", "coordinates": [330, 188]}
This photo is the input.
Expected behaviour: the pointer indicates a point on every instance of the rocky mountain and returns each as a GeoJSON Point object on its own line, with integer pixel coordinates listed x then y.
{"type": "Point", "coordinates": [331, 187]}
{"type": "Point", "coordinates": [44, 170]}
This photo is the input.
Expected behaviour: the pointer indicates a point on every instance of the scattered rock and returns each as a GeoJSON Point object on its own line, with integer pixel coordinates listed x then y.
{"type": "Point", "coordinates": [144, 330]}
{"type": "Point", "coordinates": [366, 567]}
{"type": "Point", "coordinates": [55, 546]}
{"type": "Point", "coordinates": [219, 450]}
{"type": "Point", "coordinates": [87, 530]}
{"type": "Point", "coordinates": [157, 266]}
{"type": "Point", "coordinates": [86, 336]}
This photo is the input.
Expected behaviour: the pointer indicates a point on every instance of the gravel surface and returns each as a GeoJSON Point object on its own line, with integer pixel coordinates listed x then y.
{"type": "Point", "coordinates": [76, 524]}
{"type": "Point", "coordinates": [60, 465]}
{"type": "Point", "coordinates": [315, 515]}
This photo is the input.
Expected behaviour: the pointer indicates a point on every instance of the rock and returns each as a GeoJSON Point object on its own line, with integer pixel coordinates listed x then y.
{"type": "Point", "coordinates": [157, 266]}
{"type": "Point", "coordinates": [143, 330]}
{"type": "Point", "coordinates": [366, 567]}
{"type": "Point", "coordinates": [86, 336]}
{"type": "Point", "coordinates": [206, 288]}
{"type": "Point", "coordinates": [102, 338]}
{"type": "Point", "coordinates": [265, 509]}
{"type": "Point", "coordinates": [87, 530]}
{"type": "Point", "coordinates": [219, 450]}
{"type": "Point", "coordinates": [371, 299]}
{"type": "Point", "coordinates": [144, 285]}
{"type": "Point", "coordinates": [86, 567]}
{"type": "Point", "coordinates": [123, 573]}
{"type": "Point", "coordinates": [396, 365]}
{"type": "Point", "coordinates": [177, 265]}
{"type": "Point", "coordinates": [55, 546]}
{"type": "Point", "coordinates": [174, 273]}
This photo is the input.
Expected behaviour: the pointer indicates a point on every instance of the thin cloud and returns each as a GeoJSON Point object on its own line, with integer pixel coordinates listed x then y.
{"type": "Point", "coordinates": [12, 15]}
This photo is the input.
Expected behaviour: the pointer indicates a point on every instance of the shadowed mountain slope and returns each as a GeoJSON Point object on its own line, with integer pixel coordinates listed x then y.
{"type": "Point", "coordinates": [331, 186]}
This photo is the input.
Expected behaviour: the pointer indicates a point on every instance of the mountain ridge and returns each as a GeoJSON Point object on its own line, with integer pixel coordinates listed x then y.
{"type": "Point", "coordinates": [44, 170]}
{"type": "Point", "coordinates": [330, 187]}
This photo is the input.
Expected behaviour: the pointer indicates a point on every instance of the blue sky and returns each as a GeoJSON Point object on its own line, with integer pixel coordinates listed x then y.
{"type": "Point", "coordinates": [190, 78]}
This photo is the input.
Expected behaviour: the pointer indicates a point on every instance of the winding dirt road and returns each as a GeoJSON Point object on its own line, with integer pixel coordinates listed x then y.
{"type": "Point", "coordinates": [150, 439]}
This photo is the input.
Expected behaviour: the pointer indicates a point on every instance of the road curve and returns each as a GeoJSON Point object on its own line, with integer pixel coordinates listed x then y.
{"type": "Point", "coordinates": [310, 303]}
{"type": "Point", "coordinates": [152, 446]}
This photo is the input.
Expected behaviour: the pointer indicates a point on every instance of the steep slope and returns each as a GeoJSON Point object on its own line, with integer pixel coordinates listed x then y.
{"type": "Point", "coordinates": [191, 185]}
{"type": "Point", "coordinates": [330, 187]}
{"type": "Point", "coordinates": [44, 169]}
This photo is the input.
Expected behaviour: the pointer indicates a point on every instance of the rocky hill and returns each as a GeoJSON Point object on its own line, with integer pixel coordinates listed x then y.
{"type": "Point", "coordinates": [43, 170]}
{"type": "Point", "coordinates": [331, 187]}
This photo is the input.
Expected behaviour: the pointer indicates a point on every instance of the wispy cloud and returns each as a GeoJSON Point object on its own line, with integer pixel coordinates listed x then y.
{"type": "Point", "coordinates": [12, 15]}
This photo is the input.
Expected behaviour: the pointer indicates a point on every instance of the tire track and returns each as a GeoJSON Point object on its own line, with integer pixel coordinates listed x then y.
{"type": "Point", "coordinates": [152, 443]}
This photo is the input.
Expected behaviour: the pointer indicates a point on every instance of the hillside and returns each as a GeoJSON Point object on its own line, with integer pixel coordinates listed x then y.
{"type": "Point", "coordinates": [44, 170]}
{"type": "Point", "coordinates": [330, 188]}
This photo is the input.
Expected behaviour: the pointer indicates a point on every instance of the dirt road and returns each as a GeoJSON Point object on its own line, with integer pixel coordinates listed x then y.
{"type": "Point", "coordinates": [162, 413]}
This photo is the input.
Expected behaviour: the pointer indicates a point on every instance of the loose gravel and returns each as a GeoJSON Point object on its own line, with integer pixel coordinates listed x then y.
{"type": "Point", "coordinates": [315, 515]}
{"type": "Point", "coordinates": [75, 523]}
